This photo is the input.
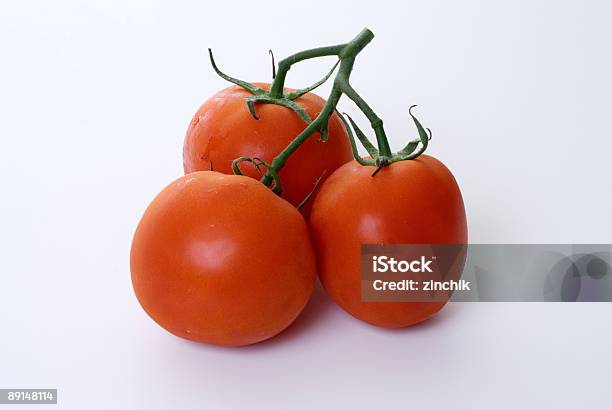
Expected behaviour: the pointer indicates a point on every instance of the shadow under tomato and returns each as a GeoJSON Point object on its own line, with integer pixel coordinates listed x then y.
{"type": "Point", "coordinates": [319, 305]}
{"type": "Point", "coordinates": [436, 320]}
{"type": "Point", "coordinates": [316, 308]}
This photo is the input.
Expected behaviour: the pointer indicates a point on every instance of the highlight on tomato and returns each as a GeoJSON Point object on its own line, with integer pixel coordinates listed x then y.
{"type": "Point", "coordinates": [402, 198]}
{"type": "Point", "coordinates": [221, 259]}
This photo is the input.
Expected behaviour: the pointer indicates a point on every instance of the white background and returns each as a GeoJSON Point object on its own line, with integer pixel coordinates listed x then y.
{"type": "Point", "coordinates": [95, 98]}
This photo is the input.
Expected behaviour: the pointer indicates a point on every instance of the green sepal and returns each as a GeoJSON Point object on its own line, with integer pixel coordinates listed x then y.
{"type": "Point", "coordinates": [363, 139]}
{"type": "Point", "coordinates": [253, 89]}
{"type": "Point", "coordinates": [351, 137]}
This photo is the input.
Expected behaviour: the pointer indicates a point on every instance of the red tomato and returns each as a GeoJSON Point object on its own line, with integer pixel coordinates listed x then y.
{"type": "Point", "coordinates": [223, 129]}
{"type": "Point", "coordinates": [221, 259]}
{"type": "Point", "coordinates": [414, 201]}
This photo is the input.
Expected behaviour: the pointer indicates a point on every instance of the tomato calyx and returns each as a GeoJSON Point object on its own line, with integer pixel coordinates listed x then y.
{"type": "Point", "coordinates": [382, 156]}
{"type": "Point", "coordinates": [263, 96]}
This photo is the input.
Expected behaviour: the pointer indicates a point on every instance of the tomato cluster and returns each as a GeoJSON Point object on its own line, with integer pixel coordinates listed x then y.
{"type": "Point", "coordinates": [221, 258]}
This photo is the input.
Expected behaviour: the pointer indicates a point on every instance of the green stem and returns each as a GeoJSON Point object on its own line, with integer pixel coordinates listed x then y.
{"type": "Point", "coordinates": [384, 150]}
{"type": "Point", "coordinates": [346, 66]}
{"type": "Point", "coordinates": [346, 53]}
{"type": "Point", "coordinates": [347, 50]}
{"type": "Point", "coordinates": [341, 86]}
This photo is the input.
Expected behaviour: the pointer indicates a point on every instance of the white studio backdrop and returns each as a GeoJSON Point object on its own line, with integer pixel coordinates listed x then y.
{"type": "Point", "coordinates": [95, 97]}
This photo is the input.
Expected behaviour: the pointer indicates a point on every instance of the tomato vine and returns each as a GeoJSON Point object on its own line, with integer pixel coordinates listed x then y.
{"type": "Point", "coordinates": [380, 156]}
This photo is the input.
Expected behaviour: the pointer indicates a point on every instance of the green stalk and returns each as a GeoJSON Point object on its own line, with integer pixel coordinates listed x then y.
{"type": "Point", "coordinates": [343, 51]}
{"type": "Point", "coordinates": [346, 53]}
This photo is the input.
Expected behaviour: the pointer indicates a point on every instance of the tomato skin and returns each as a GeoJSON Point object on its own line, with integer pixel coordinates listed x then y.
{"type": "Point", "coordinates": [223, 129]}
{"type": "Point", "coordinates": [221, 259]}
{"type": "Point", "coordinates": [414, 201]}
